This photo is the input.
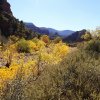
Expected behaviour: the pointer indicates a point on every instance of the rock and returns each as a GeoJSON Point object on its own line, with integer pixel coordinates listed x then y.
{"type": "Point", "coordinates": [5, 6]}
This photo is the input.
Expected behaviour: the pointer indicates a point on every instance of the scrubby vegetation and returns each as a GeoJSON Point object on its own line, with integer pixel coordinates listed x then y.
{"type": "Point", "coordinates": [75, 78]}
{"type": "Point", "coordinates": [24, 61]}
{"type": "Point", "coordinates": [42, 69]}
{"type": "Point", "coordinates": [33, 67]}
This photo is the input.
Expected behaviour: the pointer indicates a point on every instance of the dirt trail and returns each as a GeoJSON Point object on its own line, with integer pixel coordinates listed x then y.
{"type": "Point", "coordinates": [72, 49]}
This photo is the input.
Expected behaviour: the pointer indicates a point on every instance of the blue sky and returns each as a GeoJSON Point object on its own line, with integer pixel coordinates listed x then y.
{"type": "Point", "coordinates": [58, 14]}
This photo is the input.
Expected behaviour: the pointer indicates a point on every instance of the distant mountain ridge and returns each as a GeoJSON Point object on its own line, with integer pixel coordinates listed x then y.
{"type": "Point", "coordinates": [36, 29]}
{"type": "Point", "coordinates": [66, 35]}
{"type": "Point", "coordinates": [49, 31]}
{"type": "Point", "coordinates": [63, 33]}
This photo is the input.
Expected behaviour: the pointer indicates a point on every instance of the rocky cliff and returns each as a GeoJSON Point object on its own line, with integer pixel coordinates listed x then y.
{"type": "Point", "coordinates": [75, 37]}
{"type": "Point", "coordinates": [9, 25]}
{"type": "Point", "coordinates": [5, 6]}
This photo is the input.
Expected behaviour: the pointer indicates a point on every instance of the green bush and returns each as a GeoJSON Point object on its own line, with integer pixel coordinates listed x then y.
{"type": "Point", "coordinates": [57, 40]}
{"type": "Point", "coordinates": [92, 46]}
{"type": "Point", "coordinates": [22, 46]}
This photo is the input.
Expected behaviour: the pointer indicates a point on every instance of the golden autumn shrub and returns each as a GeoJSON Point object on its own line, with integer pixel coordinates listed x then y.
{"type": "Point", "coordinates": [54, 53]}
{"type": "Point", "coordinates": [8, 74]}
{"type": "Point", "coordinates": [31, 57]}
{"type": "Point", "coordinates": [41, 44]}
{"type": "Point", "coordinates": [45, 39]}
{"type": "Point", "coordinates": [32, 45]}
{"type": "Point", "coordinates": [60, 49]}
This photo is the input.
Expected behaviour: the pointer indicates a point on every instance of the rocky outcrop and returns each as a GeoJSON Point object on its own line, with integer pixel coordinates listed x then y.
{"type": "Point", "coordinates": [75, 37]}
{"type": "Point", "coordinates": [9, 25]}
{"type": "Point", "coordinates": [5, 6]}
{"type": "Point", "coordinates": [7, 19]}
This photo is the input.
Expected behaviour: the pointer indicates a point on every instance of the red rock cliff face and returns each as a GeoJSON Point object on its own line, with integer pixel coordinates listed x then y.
{"type": "Point", "coordinates": [6, 7]}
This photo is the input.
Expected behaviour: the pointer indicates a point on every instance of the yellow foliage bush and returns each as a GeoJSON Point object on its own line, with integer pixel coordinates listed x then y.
{"type": "Point", "coordinates": [51, 54]}
{"type": "Point", "coordinates": [13, 47]}
{"type": "Point", "coordinates": [8, 74]}
{"type": "Point", "coordinates": [60, 49]}
{"type": "Point", "coordinates": [50, 58]}
{"type": "Point", "coordinates": [45, 39]}
{"type": "Point", "coordinates": [54, 53]}
{"type": "Point", "coordinates": [41, 44]}
{"type": "Point", "coordinates": [29, 68]}
{"type": "Point", "coordinates": [46, 57]}
{"type": "Point", "coordinates": [32, 45]}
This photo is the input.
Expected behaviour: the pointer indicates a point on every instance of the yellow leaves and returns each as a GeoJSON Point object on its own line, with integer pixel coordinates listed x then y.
{"type": "Point", "coordinates": [51, 54]}
{"type": "Point", "coordinates": [46, 57]}
{"type": "Point", "coordinates": [12, 47]}
{"type": "Point", "coordinates": [7, 74]}
{"type": "Point", "coordinates": [60, 49]}
{"type": "Point", "coordinates": [50, 58]}
{"type": "Point", "coordinates": [28, 68]}
{"type": "Point", "coordinates": [54, 53]}
{"type": "Point", "coordinates": [32, 45]}
{"type": "Point", "coordinates": [36, 46]}
{"type": "Point", "coordinates": [41, 44]}
{"type": "Point", "coordinates": [29, 46]}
